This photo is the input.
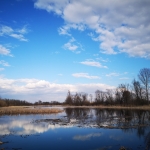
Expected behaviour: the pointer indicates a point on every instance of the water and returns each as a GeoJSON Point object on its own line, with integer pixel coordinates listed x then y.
{"type": "Point", "coordinates": [76, 128]}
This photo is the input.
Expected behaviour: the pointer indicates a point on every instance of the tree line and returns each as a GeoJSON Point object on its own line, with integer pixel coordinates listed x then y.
{"type": "Point", "coordinates": [47, 103]}
{"type": "Point", "coordinates": [13, 102]}
{"type": "Point", "coordinates": [136, 93]}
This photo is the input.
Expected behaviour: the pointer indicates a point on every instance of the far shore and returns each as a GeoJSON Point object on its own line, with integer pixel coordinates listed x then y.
{"type": "Point", "coordinates": [40, 109]}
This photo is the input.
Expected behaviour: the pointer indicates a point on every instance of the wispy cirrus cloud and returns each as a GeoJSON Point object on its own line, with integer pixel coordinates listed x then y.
{"type": "Point", "coordinates": [15, 33]}
{"type": "Point", "coordinates": [84, 75]}
{"type": "Point", "coordinates": [4, 63]}
{"type": "Point", "coordinates": [5, 51]}
{"type": "Point", "coordinates": [93, 63]}
{"type": "Point", "coordinates": [113, 74]}
{"type": "Point", "coordinates": [118, 26]}
{"type": "Point", "coordinates": [116, 74]}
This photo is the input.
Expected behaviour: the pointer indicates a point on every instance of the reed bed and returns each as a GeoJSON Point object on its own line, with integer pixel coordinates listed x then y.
{"type": "Point", "coordinates": [27, 110]}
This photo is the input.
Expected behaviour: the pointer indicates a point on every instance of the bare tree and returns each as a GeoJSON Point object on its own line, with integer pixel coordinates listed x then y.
{"type": "Point", "coordinates": [138, 91]}
{"type": "Point", "coordinates": [69, 99]}
{"type": "Point", "coordinates": [109, 96]}
{"type": "Point", "coordinates": [144, 77]}
{"type": "Point", "coordinates": [125, 94]}
{"type": "Point", "coordinates": [100, 97]}
{"type": "Point", "coordinates": [118, 96]}
{"type": "Point", "coordinates": [78, 99]}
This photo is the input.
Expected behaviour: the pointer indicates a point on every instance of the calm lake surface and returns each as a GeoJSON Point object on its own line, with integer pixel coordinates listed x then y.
{"type": "Point", "coordinates": [77, 129]}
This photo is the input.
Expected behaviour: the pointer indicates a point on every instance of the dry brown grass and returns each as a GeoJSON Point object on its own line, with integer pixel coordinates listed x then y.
{"type": "Point", "coordinates": [27, 110]}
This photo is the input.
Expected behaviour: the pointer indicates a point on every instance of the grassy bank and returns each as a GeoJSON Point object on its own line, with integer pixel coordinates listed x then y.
{"type": "Point", "coordinates": [14, 110]}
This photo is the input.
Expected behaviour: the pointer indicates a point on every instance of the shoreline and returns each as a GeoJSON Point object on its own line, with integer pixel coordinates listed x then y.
{"type": "Point", "coordinates": [16, 110]}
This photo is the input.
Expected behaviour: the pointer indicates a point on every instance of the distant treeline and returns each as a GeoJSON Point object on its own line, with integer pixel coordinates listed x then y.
{"type": "Point", "coordinates": [47, 103]}
{"type": "Point", "coordinates": [13, 102]}
{"type": "Point", "coordinates": [136, 93]}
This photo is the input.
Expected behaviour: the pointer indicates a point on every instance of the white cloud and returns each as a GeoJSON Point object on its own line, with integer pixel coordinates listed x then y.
{"type": "Point", "coordinates": [93, 64]}
{"type": "Point", "coordinates": [85, 75]}
{"type": "Point", "coordinates": [113, 74]}
{"type": "Point", "coordinates": [23, 30]}
{"type": "Point", "coordinates": [51, 5]}
{"type": "Point", "coordinates": [103, 60]}
{"type": "Point", "coordinates": [119, 26]}
{"type": "Point", "coordinates": [4, 51]}
{"type": "Point", "coordinates": [70, 46]}
{"type": "Point", "coordinates": [73, 46]}
{"type": "Point", "coordinates": [18, 36]}
{"type": "Point", "coordinates": [5, 30]}
{"type": "Point", "coordinates": [4, 63]}
{"type": "Point", "coordinates": [33, 89]}
{"type": "Point", "coordinates": [15, 33]}
{"type": "Point", "coordinates": [63, 31]}
{"type": "Point", "coordinates": [72, 15]}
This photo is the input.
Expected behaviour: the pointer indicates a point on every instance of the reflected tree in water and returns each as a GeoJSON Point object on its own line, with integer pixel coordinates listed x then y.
{"type": "Point", "coordinates": [147, 141]}
{"type": "Point", "coordinates": [77, 112]}
{"type": "Point", "coordinates": [123, 119]}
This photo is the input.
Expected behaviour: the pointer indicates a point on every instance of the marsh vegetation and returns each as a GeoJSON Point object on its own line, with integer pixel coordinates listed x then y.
{"type": "Point", "coordinates": [27, 110]}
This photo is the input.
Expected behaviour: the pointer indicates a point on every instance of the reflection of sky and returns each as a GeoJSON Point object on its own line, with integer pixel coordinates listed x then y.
{"type": "Point", "coordinates": [57, 107]}
{"type": "Point", "coordinates": [116, 137]}
{"type": "Point", "coordinates": [25, 125]}
{"type": "Point", "coordinates": [77, 137]}
{"type": "Point", "coordinates": [22, 126]}
{"type": "Point", "coordinates": [86, 137]}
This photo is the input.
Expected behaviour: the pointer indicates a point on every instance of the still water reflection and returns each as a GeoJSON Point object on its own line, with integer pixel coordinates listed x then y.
{"type": "Point", "coordinates": [76, 128]}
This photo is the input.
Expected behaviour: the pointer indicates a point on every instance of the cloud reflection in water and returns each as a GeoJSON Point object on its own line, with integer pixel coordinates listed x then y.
{"type": "Point", "coordinates": [86, 137]}
{"type": "Point", "coordinates": [23, 127]}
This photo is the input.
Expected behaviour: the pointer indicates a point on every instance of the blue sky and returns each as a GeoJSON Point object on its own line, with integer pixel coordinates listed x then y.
{"type": "Point", "coordinates": [48, 47]}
